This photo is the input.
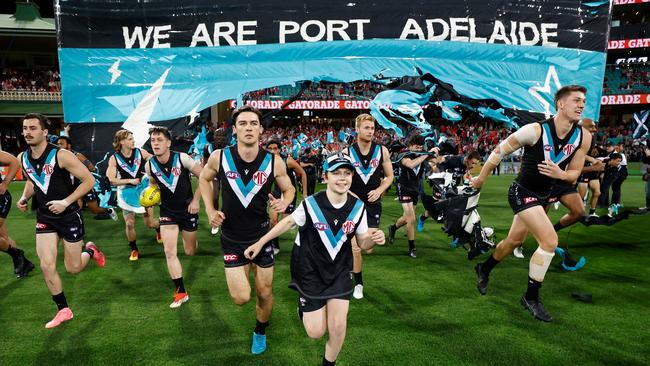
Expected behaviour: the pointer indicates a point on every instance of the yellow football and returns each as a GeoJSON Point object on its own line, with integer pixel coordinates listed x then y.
{"type": "Point", "coordinates": [150, 196]}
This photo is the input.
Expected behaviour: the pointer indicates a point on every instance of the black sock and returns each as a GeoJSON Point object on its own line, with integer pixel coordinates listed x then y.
{"type": "Point", "coordinates": [178, 283]}
{"type": "Point", "coordinates": [133, 245]}
{"type": "Point", "coordinates": [358, 279]}
{"type": "Point", "coordinates": [13, 252]}
{"type": "Point", "coordinates": [422, 217]}
{"type": "Point", "coordinates": [592, 211]}
{"type": "Point", "coordinates": [60, 300]}
{"type": "Point", "coordinates": [532, 293]}
{"type": "Point", "coordinates": [89, 251]}
{"type": "Point", "coordinates": [488, 265]}
{"type": "Point", "coordinates": [328, 363]}
{"type": "Point", "coordinates": [260, 328]}
{"type": "Point", "coordinates": [411, 244]}
{"type": "Point", "coordinates": [647, 202]}
{"type": "Point", "coordinates": [393, 228]}
{"type": "Point", "coordinates": [558, 226]}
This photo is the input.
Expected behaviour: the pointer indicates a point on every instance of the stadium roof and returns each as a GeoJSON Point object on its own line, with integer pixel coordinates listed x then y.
{"type": "Point", "coordinates": [26, 21]}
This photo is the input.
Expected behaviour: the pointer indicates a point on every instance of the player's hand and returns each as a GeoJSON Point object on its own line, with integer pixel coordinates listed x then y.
{"type": "Point", "coordinates": [193, 207]}
{"type": "Point", "coordinates": [435, 150]}
{"type": "Point", "coordinates": [216, 218]}
{"type": "Point", "coordinates": [599, 166]}
{"type": "Point", "coordinates": [3, 187]}
{"type": "Point", "coordinates": [277, 204]}
{"type": "Point", "coordinates": [135, 181]}
{"type": "Point", "coordinates": [22, 204]}
{"type": "Point", "coordinates": [477, 182]}
{"type": "Point", "coordinates": [550, 169]}
{"type": "Point", "coordinates": [374, 195]}
{"type": "Point", "coordinates": [252, 251]}
{"type": "Point", "coordinates": [378, 237]}
{"type": "Point", "coordinates": [58, 206]}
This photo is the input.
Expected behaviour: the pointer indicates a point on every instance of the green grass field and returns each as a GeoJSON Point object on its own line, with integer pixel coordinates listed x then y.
{"type": "Point", "coordinates": [422, 311]}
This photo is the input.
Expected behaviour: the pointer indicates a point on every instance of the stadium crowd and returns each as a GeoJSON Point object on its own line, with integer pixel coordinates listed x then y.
{"type": "Point", "coordinates": [32, 80]}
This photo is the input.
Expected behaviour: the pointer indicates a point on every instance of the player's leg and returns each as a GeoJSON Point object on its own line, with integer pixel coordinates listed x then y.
{"type": "Point", "coordinates": [190, 242]}
{"type": "Point", "coordinates": [169, 234]}
{"type": "Point", "coordinates": [337, 318]}
{"type": "Point", "coordinates": [409, 216]}
{"type": "Point", "coordinates": [46, 249]}
{"type": "Point", "coordinates": [22, 266]}
{"type": "Point", "coordinates": [131, 235]}
{"type": "Point", "coordinates": [263, 306]}
{"type": "Point", "coordinates": [273, 219]}
{"type": "Point", "coordinates": [515, 238]}
{"type": "Point", "coordinates": [76, 257]}
{"type": "Point", "coordinates": [541, 228]}
{"type": "Point", "coordinates": [152, 223]}
{"type": "Point", "coordinates": [594, 186]}
{"type": "Point", "coordinates": [239, 287]}
{"type": "Point", "coordinates": [573, 202]}
{"type": "Point", "coordinates": [582, 191]}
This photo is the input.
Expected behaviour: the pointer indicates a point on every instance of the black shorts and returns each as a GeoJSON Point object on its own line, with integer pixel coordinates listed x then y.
{"type": "Point", "coordinates": [5, 205]}
{"type": "Point", "coordinates": [90, 196]}
{"type": "Point", "coordinates": [69, 227]}
{"type": "Point", "coordinates": [521, 198]}
{"type": "Point", "coordinates": [373, 213]}
{"type": "Point", "coordinates": [560, 190]}
{"type": "Point", "coordinates": [183, 219]}
{"type": "Point", "coordinates": [233, 254]}
{"type": "Point", "coordinates": [587, 177]}
{"type": "Point", "coordinates": [291, 207]}
{"type": "Point", "coordinates": [307, 304]}
{"type": "Point", "coordinates": [405, 195]}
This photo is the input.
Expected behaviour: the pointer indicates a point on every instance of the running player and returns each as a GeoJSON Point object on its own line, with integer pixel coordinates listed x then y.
{"type": "Point", "coordinates": [179, 208]}
{"type": "Point", "coordinates": [58, 216]}
{"type": "Point", "coordinates": [554, 150]}
{"type": "Point", "coordinates": [408, 189]}
{"type": "Point", "coordinates": [90, 198]}
{"type": "Point", "coordinates": [218, 142]}
{"type": "Point", "coordinates": [321, 260]}
{"type": "Point", "coordinates": [22, 266]}
{"type": "Point", "coordinates": [126, 171]}
{"type": "Point", "coordinates": [246, 173]}
{"type": "Point", "coordinates": [274, 146]}
{"type": "Point", "coordinates": [374, 175]}
{"type": "Point", "coordinates": [590, 177]}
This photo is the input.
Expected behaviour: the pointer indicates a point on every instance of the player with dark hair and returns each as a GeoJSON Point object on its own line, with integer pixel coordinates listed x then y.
{"type": "Point", "coordinates": [179, 207]}
{"type": "Point", "coordinates": [58, 216]}
{"type": "Point", "coordinates": [408, 189]}
{"type": "Point", "coordinates": [246, 173]}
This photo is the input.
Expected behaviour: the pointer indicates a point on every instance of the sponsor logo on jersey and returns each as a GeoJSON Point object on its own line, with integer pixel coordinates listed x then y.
{"type": "Point", "coordinates": [232, 175]}
{"type": "Point", "coordinates": [548, 147]}
{"type": "Point", "coordinates": [322, 226]}
{"type": "Point", "coordinates": [48, 169]}
{"type": "Point", "coordinates": [568, 149]}
{"type": "Point", "coordinates": [348, 227]}
{"type": "Point", "coordinates": [260, 178]}
{"type": "Point", "coordinates": [374, 163]}
{"type": "Point", "coordinates": [230, 257]}
{"type": "Point", "coordinates": [176, 171]}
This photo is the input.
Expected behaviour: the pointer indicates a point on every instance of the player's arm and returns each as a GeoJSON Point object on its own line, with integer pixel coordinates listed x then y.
{"type": "Point", "coordinates": [284, 183]}
{"type": "Point", "coordinates": [293, 164]}
{"type": "Point", "coordinates": [195, 168]}
{"type": "Point", "coordinates": [28, 192]}
{"type": "Point", "coordinates": [387, 166]}
{"type": "Point", "coordinates": [146, 155]}
{"type": "Point", "coordinates": [69, 162]}
{"type": "Point", "coordinates": [525, 136]}
{"type": "Point", "coordinates": [366, 241]}
{"type": "Point", "coordinates": [147, 169]}
{"type": "Point", "coordinates": [596, 165]}
{"type": "Point", "coordinates": [14, 164]}
{"type": "Point", "coordinates": [86, 162]}
{"type": "Point", "coordinates": [208, 173]}
{"type": "Point", "coordinates": [111, 173]}
{"type": "Point", "coordinates": [280, 228]}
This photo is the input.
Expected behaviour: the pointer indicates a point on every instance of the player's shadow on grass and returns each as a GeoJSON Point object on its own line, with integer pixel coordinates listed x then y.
{"type": "Point", "coordinates": [56, 351]}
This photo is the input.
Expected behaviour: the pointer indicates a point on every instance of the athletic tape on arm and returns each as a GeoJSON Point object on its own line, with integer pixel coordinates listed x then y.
{"type": "Point", "coordinates": [525, 136]}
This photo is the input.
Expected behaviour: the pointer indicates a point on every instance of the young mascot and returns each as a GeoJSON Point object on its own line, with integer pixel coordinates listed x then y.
{"type": "Point", "coordinates": [321, 261]}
